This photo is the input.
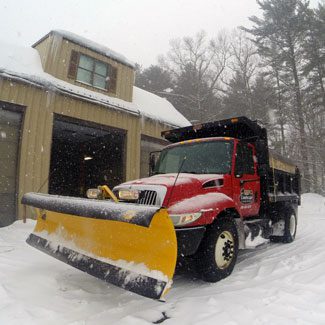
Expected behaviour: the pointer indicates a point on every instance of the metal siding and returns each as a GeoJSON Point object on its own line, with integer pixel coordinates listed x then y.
{"type": "Point", "coordinates": [153, 128]}
{"type": "Point", "coordinates": [10, 126]}
{"type": "Point", "coordinates": [43, 49]}
{"type": "Point", "coordinates": [133, 144]}
{"type": "Point", "coordinates": [59, 59]}
{"type": "Point", "coordinates": [34, 161]}
{"type": "Point", "coordinates": [122, 84]}
{"type": "Point", "coordinates": [36, 133]}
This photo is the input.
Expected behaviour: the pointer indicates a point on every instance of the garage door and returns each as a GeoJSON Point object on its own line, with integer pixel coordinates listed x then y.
{"type": "Point", "coordinates": [85, 155]}
{"type": "Point", "coordinates": [10, 123]}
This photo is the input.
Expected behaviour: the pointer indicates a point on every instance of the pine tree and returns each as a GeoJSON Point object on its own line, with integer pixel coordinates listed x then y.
{"type": "Point", "coordinates": [284, 25]}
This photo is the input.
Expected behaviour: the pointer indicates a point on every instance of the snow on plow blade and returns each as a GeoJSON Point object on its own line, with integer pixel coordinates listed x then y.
{"type": "Point", "coordinates": [128, 245]}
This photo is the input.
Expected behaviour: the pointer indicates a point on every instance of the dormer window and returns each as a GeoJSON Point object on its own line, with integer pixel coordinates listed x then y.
{"type": "Point", "coordinates": [92, 72]}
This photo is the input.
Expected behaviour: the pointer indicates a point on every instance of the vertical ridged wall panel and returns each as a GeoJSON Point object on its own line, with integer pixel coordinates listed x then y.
{"type": "Point", "coordinates": [35, 147]}
{"type": "Point", "coordinates": [36, 136]}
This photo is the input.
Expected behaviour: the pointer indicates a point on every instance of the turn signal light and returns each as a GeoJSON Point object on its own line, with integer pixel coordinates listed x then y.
{"type": "Point", "coordinates": [93, 193]}
{"type": "Point", "coordinates": [183, 219]}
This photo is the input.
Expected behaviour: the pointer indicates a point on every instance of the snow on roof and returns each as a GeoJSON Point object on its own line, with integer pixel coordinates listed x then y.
{"type": "Point", "coordinates": [90, 45]}
{"type": "Point", "coordinates": [24, 64]}
{"type": "Point", "coordinates": [154, 107]}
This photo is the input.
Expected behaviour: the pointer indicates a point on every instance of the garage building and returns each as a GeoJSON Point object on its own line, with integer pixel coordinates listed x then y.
{"type": "Point", "coordinates": [71, 118]}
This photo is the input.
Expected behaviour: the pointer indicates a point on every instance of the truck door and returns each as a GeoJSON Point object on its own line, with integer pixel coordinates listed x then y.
{"type": "Point", "coordinates": [246, 182]}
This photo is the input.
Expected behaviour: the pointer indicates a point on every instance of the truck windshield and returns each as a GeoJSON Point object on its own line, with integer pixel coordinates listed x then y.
{"type": "Point", "coordinates": [213, 157]}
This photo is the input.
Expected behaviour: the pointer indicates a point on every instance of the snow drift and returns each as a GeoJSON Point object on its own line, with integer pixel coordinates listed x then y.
{"type": "Point", "coordinates": [273, 284]}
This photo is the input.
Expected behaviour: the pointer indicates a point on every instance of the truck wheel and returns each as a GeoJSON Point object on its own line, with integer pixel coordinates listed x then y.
{"type": "Point", "coordinates": [290, 229]}
{"type": "Point", "coordinates": [218, 251]}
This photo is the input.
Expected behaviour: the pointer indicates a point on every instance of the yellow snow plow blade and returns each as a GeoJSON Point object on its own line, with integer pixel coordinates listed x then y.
{"type": "Point", "coordinates": [128, 245]}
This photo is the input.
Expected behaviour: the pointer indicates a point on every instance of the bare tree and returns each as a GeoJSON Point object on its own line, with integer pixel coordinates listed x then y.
{"type": "Point", "coordinates": [243, 69]}
{"type": "Point", "coordinates": [196, 64]}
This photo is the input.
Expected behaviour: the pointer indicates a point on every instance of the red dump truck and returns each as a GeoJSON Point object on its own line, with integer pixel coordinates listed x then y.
{"type": "Point", "coordinates": [215, 189]}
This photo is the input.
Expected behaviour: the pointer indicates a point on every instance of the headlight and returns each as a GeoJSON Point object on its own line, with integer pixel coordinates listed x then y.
{"type": "Point", "coordinates": [93, 193]}
{"type": "Point", "coordinates": [183, 219]}
{"type": "Point", "coordinates": [128, 194]}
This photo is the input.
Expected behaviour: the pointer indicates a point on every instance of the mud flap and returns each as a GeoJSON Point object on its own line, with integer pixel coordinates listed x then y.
{"type": "Point", "coordinates": [128, 245]}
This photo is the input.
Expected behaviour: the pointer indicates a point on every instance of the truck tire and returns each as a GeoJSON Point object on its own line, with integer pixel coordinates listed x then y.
{"type": "Point", "coordinates": [290, 228]}
{"type": "Point", "coordinates": [218, 251]}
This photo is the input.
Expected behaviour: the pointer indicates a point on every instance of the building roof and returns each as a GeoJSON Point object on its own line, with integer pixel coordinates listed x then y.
{"type": "Point", "coordinates": [101, 49]}
{"type": "Point", "coordinates": [24, 64]}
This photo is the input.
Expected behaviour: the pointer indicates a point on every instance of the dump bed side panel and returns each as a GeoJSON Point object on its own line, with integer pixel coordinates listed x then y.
{"type": "Point", "coordinates": [284, 179]}
{"type": "Point", "coordinates": [281, 163]}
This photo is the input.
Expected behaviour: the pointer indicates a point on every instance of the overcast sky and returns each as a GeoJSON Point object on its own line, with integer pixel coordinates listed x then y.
{"type": "Point", "coordinates": [138, 29]}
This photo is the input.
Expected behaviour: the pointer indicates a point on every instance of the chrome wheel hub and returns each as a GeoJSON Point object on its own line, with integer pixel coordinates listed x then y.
{"type": "Point", "coordinates": [292, 225]}
{"type": "Point", "coordinates": [224, 251]}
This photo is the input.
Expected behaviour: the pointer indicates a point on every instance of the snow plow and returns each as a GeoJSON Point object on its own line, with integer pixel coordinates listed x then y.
{"type": "Point", "coordinates": [126, 245]}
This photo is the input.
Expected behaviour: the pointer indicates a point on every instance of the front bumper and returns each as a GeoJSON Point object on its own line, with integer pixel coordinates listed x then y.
{"type": "Point", "coordinates": [188, 240]}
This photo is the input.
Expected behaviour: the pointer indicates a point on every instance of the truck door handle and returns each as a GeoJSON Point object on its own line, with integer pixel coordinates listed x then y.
{"type": "Point", "coordinates": [243, 181]}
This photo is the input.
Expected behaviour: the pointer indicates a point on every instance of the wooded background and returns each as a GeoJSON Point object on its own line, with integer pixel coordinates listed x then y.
{"type": "Point", "coordinates": [272, 72]}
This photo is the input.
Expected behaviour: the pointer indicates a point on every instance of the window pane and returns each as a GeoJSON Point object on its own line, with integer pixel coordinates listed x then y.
{"type": "Point", "coordinates": [147, 146]}
{"type": "Point", "coordinates": [101, 68]}
{"type": "Point", "coordinates": [239, 170]}
{"type": "Point", "coordinates": [201, 158]}
{"type": "Point", "coordinates": [86, 62]}
{"type": "Point", "coordinates": [84, 76]}
{"type": "Point", "coordinates": [244, 160]}
{"type": "Point", "coordinates": [249, 161]}
{"type": "Point", "coordinates": [99, 81]}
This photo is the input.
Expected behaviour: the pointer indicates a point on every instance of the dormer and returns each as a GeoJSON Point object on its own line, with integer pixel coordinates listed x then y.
{"type": "Point", "coordinates": [84, 63]}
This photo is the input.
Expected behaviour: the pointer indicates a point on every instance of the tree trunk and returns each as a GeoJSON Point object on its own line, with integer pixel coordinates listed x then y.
{"type": "Point", "coordinates": [323, 179]}
{"type": "Point", "coordinates": [280, 110]}
{"type": "Point", "coordinates": [283, 146]}
{"type": "Point", "coordinates": [301, 122]}
{"type": "Point", "coordinates": [321, 83]}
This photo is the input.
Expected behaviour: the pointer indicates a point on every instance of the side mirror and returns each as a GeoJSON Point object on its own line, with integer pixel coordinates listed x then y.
{"type": "Point", "coordinates": [152, 164]}
{"type": "Point", "coordinates": [154, 155]}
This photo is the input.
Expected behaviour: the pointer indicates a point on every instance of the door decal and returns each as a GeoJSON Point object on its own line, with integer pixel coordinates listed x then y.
{"type": "Point", "coordinates": [246, 196]}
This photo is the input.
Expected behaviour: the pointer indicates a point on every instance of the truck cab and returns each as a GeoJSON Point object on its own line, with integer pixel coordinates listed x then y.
{"type": "Point", "coordinates": [194, 168]}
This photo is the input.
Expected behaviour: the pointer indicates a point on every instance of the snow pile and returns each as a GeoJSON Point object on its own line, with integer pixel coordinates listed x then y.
{"type": "Point", "coordinates": [24, 64]}
{"type": "Point", "coordinates": [153, 106]}
{"type": "Point", "coordinates": [253, 242]}
{"type": "Point", "coordinates": [312, 204]}
{"type": "Point", "coordinates": [20, 59]}
{"type": "Point", "coordinates": [275, 284]}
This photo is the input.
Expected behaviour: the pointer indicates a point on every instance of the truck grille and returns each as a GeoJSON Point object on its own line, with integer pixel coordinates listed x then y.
{"type": "Point", "coordinates": [147, 197]}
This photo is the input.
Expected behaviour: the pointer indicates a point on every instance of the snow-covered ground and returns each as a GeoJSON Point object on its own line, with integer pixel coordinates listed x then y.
{"type": "Point", "coordinates": [273, 284]}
